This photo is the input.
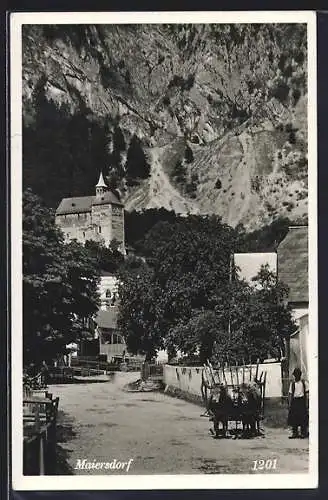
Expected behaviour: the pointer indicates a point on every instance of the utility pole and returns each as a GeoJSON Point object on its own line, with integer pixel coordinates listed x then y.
{"type": "Point", "coordinates": [230, 281]}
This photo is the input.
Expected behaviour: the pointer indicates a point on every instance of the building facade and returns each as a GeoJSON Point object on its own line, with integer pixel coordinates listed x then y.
{"type": "Point", "coordinates": [111, 343]}
{"type": "Point", "coordinates": [99, 218]}
{"type": "Point", "coordinates": [108, 291]}
{"type": "Point", "coordinates": [293, 271]}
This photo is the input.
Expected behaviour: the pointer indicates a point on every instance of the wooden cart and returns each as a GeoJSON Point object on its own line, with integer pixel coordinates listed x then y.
{"type": "Point", "coordinates": [244, 387]}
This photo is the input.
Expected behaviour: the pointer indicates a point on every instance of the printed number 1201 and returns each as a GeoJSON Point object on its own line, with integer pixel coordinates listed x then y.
{"type": "Point", "coordinates": [264, 464]}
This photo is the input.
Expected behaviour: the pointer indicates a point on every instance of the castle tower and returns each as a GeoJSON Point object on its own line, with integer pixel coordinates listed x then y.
{"type": "Point", "coordinates": [101, 187]}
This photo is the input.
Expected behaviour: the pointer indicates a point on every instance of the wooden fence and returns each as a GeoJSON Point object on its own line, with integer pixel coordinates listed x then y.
{"type": "Point", "coordinates": [152, 371]}
{"type": "Point", "coordinates": [39, 431]}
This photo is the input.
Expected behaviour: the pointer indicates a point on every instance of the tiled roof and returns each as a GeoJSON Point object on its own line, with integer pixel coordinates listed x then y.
{"type": "Point", "coordinates": [107, 197]}
{"type": "Point", "coordinates": [82, 204]}
{"type": "Point", "coordinates": [293, 263]}
{"type": "Point", "coordinates": [107, 319]}
{"type": "Point", "coordinates": [75, 205]}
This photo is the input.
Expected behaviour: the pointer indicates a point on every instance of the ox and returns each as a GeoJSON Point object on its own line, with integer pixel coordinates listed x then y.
{"type": "Point", "coordinates": [220, 406]}
{"type": "Point", "coordinates": [250, 408]}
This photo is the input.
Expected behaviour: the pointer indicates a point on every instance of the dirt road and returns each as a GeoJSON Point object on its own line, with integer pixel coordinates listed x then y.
{"type": "Point", "coordinates": [161, 434]}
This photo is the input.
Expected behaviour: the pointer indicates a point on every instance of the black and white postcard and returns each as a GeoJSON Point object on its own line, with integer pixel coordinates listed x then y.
{"type": "Point", "coordinates": [163, 250]}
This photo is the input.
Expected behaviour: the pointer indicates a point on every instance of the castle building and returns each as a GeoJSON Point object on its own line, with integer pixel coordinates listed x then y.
{"type": "Point", "coordinates": [99, 218]}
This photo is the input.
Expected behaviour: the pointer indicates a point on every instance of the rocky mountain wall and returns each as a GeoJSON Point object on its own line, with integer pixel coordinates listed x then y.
{"type": "Point", "coordinates": [220, 112]}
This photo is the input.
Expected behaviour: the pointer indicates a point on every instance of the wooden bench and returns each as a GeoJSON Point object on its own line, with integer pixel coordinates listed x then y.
{"type": "Point", "coordinates": [39, 428]}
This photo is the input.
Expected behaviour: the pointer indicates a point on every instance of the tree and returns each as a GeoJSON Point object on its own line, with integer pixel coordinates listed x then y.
{"type": "Point", "coordinates": [136, 165]}
{"type": "Point", "coordinates": [260, 319]}
{"type": "Point", "coordinates": [179, 172]}
{"type": "Point", "coordinates": [189, 157]}
{"type": "Point", "coordinates": [183, 276]}
{"type": "Point", "coordinates": [196, 337]}
{"type": "Point", "coordinates": [59, 284]}
{"type": "Point", "coordinates": [115, 160]}
{"type": "Point", "coordinates": [108, 258]}
{"type": "Point", "coordinates": [265, 239]}
{"type": "Point", "coordinates": [138, 319]}
{"type": "Point", "coordinates": [118, 139]}
{"type": "Point", "coordinates": [62, 149]}
{"type": "Point", "coordinates": [186, 298]}
{"type": "Point", "coordinates": [138, 223]}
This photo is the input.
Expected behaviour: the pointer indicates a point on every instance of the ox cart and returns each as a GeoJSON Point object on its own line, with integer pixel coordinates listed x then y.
{"type": "Point", "coordinates": [234, 394]}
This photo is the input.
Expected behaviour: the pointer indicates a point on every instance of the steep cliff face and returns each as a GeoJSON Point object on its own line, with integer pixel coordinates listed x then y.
{"type": "Point", "coordinates": [220, 111]}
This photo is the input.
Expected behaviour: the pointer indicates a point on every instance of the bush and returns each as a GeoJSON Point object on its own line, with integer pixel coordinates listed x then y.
{"type": "Point", "coordinates": [179, 172]}
{"type": "Point", "coordinates": [280, 92]}
{"type": "Point", "coordinates": [191, 187]}
{"type": "Point", "coordinates": [189, 83]}
{"type": "Point", "coordinates": [189, 156]}
{"type": "Point", "coordinates": [296, 96]}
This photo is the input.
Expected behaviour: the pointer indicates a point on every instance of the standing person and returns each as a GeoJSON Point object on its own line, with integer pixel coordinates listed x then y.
{"type": "Point", "coordinates": [298, 412]}
{"type": "Point", "coordinates": [44, 374]}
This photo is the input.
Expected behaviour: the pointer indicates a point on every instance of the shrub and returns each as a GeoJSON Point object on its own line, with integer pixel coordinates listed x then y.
{"type": "Point", "coordinates": [191, 187]}
{"type": "Point", "coordinates": [189, 83]}
{"type": "Point", "coordinates": [189, 156]}
{"type": "Point", "coordinates": [296, 96]}
{"type": "Point", "coordinates": [179, 172]}
{"type": "Point", "coordinates": [280, 92]}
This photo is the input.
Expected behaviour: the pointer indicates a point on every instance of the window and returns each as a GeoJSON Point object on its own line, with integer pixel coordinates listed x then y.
{"type": "Point", "coordinates": [99, 229]}
{"type": "Point", "coordinates": [83, 234]}
{"type": "Point", "coordinates": [108, 294]}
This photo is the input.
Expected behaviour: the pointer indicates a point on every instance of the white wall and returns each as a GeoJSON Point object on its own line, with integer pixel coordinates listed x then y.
{"type": "Point", "coordinates": [107, 283]}
{"type": "Point", "coordinates": [189, 379]}
{"type": "Point", "coordinates": [250, 264]}
{"type": "Point", "coordinates": [299, 343]}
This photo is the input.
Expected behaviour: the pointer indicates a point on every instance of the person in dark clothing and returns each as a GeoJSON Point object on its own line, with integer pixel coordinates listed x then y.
{"type": "Point", "coordinates": [298, 412]}
{"type": "Point", "coordinates": [44, 374]}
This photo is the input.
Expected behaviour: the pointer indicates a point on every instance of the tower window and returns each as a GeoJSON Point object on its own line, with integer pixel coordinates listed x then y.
{"type": "Point", "coordinates": [83, 234]}
{"type": "Point", "coordinates": [108, 294]}
{"type": "Point", "coordinates": [99, 229]}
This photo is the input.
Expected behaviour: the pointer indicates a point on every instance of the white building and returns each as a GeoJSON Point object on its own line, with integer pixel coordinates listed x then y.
{"type": "Point", "coordinates": [249, 264]}
{"type": "Point", "coordinates": [98, 217]}
{"type": "Point", "coordinates": [293, 271]}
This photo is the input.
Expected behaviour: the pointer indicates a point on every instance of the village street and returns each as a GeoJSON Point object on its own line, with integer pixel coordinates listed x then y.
{"type": "Point", "coordinates": [162, 435]}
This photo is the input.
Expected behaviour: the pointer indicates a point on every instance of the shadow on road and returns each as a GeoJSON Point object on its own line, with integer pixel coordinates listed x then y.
{"type": "Point", "coordinates": [65, 433]}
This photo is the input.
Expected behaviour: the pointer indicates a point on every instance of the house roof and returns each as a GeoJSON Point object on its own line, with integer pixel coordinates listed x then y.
{"type": "Point", "coordinates": [107, 197]}
{"type": "Point", "coordinates": [82, 204]}
{"type": "Point", "coordinates": [107, 318]}
{"type": "Point", "coordinates": [293, 263]}
{"type": "Point", "coordinates": [75, 205]}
